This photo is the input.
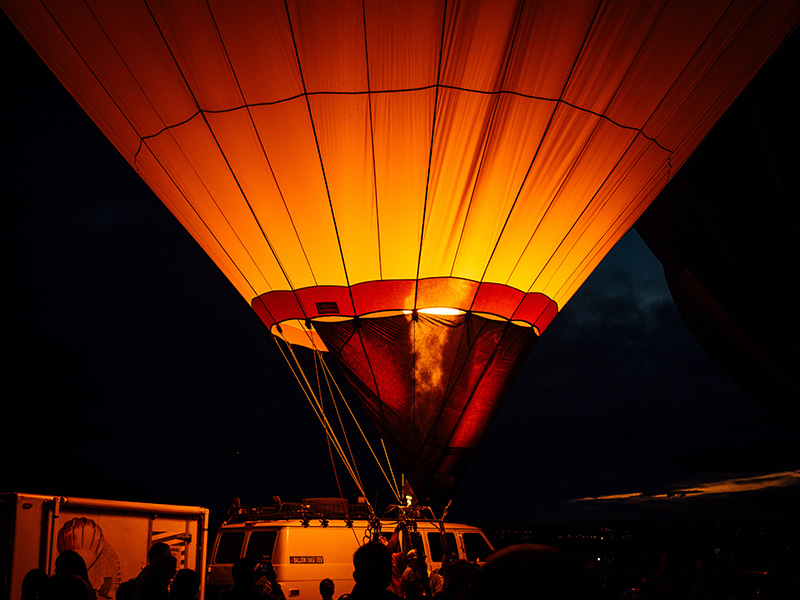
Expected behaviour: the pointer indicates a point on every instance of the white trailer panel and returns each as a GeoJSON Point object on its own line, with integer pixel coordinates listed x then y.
{"type": "Point", "coordinates": [112, 536]}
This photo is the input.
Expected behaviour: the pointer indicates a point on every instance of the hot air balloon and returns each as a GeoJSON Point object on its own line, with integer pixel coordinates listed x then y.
{"type": "Point", "coordinates": [734, 275]}
{"type": "Point", "coordinates": [417, 187]}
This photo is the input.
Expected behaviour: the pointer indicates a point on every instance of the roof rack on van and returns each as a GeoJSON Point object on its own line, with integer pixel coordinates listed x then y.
{"type": "Point", "coordinates": [316, 508]}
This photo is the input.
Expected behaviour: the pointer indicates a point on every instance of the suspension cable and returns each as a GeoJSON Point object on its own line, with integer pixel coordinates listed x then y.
{"type": "Point", "coordinates": [315, 399]}
{"type": "Point", "coordinates": [305, 385]}
{"type": "Point", "coordinates": [328, 378]}
{"type": "Point", "coordinates": [392, 486]}
{"type": "Point", "coordinates": [330, 431]}
{"type": "Point", "coordinates": [391, 471]}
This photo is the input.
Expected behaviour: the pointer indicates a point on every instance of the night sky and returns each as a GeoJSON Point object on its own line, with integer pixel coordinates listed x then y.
{"type": "Point", "coordinates": [139, 373]}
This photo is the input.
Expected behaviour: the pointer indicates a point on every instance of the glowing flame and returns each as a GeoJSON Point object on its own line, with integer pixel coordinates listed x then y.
{"type": "Point", "coordinates": [437, 310]}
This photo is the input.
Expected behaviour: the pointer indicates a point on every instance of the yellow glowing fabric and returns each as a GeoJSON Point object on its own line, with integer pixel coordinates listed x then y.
{"type": "Point", "coordinates": [331, 143]}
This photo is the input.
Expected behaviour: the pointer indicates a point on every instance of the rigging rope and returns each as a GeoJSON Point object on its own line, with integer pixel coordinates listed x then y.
{"type": "Point", "coordinates": [392, 486]}
{"type": "Point", "coordinates": [318, 357]}
{"type": "Point", "coordinates": [310, 396]}
{"type": "Point", "coordinates": [315, 399]}
{"type": "Point", "coordinates": [395, 488]}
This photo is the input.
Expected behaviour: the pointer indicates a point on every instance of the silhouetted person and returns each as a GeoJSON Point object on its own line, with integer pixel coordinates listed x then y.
{"type": "Point", "coordinates": [373, 573]}
{"type": "Point", "coordinates": [701, 581]}
{"type": "Point", "coordinates": [530, 571]}
{"type": "Point", "coordinates": [247, 572]}
{"type": "Point", "coordinates": [68, 587]}
{"type": "Point", "coordinates": [155, 580]}
{"type": "Point", "coordinates": [185, 585]}
{"type": "Point", "coordinates": [156, 550]}
{"type": "Point", "coordinates": [416, 584]}
{"type": "Point", "coordinates": [70, 562]}
{"type": "Point", "coordinates": [662, 576]}
{"type": "Point", "coordinates": [34, 585]}
{"type": "Point", "coordinates": [127, 589]}
{"type": "Point", "coordinates": [399, 540]}
{"type": "Point", "coordinates": [327, 589]}
{"type": "Point", "coordinates": [457, 575]}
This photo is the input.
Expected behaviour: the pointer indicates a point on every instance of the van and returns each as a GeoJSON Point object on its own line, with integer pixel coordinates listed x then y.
{"type": "Point", "coordinates": [316, 538]}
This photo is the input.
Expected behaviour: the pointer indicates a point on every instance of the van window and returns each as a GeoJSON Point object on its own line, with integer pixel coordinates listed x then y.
{"type": "Point", "coordinates": [260, 544]}
{"type": "Point", "coordinates": [435, 544]}
{"type": "Point", "coordinates": [476, 547]}
{"type": "Point", "coordinates": [229, 547]}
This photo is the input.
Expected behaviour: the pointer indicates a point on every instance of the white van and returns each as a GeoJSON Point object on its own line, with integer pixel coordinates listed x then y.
{"type": "Point", "coordinates": [315, 539]}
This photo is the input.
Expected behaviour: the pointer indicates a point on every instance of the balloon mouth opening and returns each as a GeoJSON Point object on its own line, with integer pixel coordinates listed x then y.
{"type": "Point", "coordinates": [302, 332]}
{"type": "Point", "coordinates": [437, 310]}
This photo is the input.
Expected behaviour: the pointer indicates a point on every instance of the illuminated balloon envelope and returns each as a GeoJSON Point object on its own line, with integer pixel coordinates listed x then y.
{"type": "Point", "coordinates": [350, 165]}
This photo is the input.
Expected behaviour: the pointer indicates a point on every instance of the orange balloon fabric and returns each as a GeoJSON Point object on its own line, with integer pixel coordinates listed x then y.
{"type": "Point", "coordinates": [308, 143]}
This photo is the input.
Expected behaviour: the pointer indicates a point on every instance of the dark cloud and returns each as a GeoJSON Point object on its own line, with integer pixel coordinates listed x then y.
{"type": "Point", "coordinates": [618, 397]}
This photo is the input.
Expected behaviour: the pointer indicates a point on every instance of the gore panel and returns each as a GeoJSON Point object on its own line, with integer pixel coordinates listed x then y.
{"type": "Point", "coordinates": [431, 387]}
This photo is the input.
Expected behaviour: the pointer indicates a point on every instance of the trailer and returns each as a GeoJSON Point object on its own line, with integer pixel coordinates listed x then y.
{"type": "Point", "coordinates": [112, 536]}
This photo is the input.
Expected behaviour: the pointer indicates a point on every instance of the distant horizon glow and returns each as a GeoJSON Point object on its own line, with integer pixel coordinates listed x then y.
{"type": "Point", "coordinates": [726, 486]}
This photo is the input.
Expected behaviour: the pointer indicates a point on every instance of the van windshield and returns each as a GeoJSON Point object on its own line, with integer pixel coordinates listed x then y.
{"type": "Point", "coordinates": [229, 547]}
{"type": "Point", "coordinates": [476, 547]}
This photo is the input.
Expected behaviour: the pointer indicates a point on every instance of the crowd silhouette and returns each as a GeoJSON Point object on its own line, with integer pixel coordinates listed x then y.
{"type": "Point", "coordinates": [158, 580]}
{"type": "Point", "coordinates": [521, 571]}
{"type": "Point", "coordinates": [253, 580]}
{"type": "Point", "coordinates": [384, 571]}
